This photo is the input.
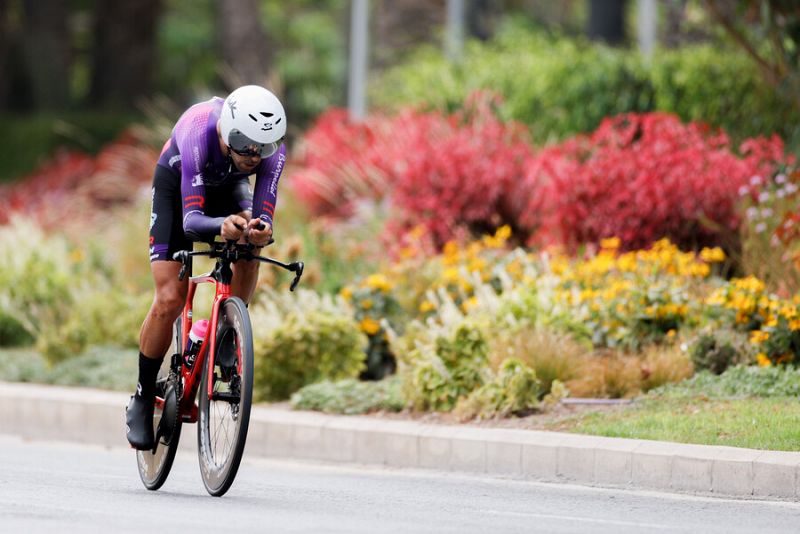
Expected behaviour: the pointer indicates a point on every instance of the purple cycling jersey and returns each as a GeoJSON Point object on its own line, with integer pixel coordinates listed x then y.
{"type": "Point", "coordinates": [194, 151]}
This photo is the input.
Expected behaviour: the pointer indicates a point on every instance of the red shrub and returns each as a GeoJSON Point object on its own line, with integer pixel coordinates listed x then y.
{"type": "Point", "coordinates": [453, 175]}
{"type": "Point", "coordinates": [343, 161]}
{"type": "Point", "coordinates": [642, 177]}
{"type": "Point", "coordinates": [72, 185]}
{"type": "Point", "coordinates": [466, 175]}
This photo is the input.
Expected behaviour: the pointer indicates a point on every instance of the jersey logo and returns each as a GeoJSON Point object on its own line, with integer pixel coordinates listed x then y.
{"type": "Point", "coordinates": [153, 217]}
{"type": "Point", "coordinates": [194, 200]}
{"type": "Point", "coordinates": [197, 180]}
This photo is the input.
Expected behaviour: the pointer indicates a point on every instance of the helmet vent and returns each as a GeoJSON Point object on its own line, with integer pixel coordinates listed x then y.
{"type": "Point", "coordinates": [251, 116]}
{"type": "Point", "coordinates": [265, 114]}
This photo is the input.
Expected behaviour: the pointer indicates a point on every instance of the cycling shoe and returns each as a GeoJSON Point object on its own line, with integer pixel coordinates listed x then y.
{"type": "Point", "coordinates": [139, 423]}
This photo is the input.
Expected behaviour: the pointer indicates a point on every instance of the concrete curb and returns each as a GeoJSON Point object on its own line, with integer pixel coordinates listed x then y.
{"type": "Point", "coordinates": [92, 416]}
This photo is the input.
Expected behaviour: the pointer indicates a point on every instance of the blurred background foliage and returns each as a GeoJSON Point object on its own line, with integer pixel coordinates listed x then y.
{"type": "Point", "coordinates": [435, 189]}
{"type": "Point", "coordinates": [77, 72]}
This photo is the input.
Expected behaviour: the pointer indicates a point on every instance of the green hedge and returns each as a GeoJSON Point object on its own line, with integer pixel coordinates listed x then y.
{"type": "Point", "coordinates": [307, 348]}
{"type": "Point", "coordinates": [559, 87]}
{"type": "Point", "coordinates": [723, 88]}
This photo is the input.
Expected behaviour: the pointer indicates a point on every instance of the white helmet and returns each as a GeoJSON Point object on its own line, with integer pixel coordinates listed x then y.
{"type": "Point", "coordinates": [252, 121]}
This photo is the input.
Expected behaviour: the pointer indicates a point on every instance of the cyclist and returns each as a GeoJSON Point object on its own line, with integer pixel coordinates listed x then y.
{"type": "Point", "coordinates": [201, 189]}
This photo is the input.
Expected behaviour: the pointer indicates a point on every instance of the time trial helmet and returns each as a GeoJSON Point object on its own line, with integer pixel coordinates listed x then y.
{"type": "Point", "coordinates": [252, 121]}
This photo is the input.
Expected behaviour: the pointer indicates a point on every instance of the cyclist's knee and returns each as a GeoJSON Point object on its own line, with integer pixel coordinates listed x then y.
{"type": "Point", "coordinates": [169, 303]}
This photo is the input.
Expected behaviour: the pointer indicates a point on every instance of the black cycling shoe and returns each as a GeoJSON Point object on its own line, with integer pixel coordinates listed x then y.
{"type": "Point", "coordinates": [139, 423]}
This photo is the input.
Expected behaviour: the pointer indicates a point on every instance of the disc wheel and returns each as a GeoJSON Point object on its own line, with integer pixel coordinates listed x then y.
{"type": "Point", "coordinates": [224, 416]}
{"type": "Point", "coordinates": [155, 465]}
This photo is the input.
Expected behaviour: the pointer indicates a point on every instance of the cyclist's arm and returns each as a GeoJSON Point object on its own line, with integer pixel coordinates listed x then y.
{"type": "Point", "coordinates": [243, 196]}
{"type": "Point", "coordinates": [193, 145]}
{"type": "Point", "coordinates": [265, 196]}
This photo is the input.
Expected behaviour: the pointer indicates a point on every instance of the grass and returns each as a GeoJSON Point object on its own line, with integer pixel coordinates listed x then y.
{"type": "Point", "coordinates": [756, 423]}
{"type": "Point", "coordinates": [746, 406]}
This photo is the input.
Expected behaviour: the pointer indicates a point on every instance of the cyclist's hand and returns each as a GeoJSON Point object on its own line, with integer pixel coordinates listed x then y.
{"type": "Point", "coordinates": [233, 227]}
{"type": "Point", "coordinates": [257, 237]}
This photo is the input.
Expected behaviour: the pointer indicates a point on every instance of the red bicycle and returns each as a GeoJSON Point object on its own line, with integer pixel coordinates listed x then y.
{"type": "Point", "coordinates": [222, 372]}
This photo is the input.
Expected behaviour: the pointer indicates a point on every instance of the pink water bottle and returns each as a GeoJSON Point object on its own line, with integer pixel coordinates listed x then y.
{"type": "Point", "coordinates": [196, 336]}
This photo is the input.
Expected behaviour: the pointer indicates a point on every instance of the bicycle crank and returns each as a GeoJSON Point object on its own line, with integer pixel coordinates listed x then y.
{"type": "Point", "coordinates": [169, 417]}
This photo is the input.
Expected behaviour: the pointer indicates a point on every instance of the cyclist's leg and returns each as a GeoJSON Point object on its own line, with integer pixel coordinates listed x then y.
{"type": "Point", "coordinates": [166, 236]}
{"type": "Point", "coordinates": [245, 278]}
{"type": "Point", "coordinates": [168, 301]}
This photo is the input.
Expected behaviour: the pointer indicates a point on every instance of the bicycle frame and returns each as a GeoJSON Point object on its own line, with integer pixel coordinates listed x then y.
{"type": "Point", "coordinates": [191, 377]}
{"type": "Point", "coordinates": [221, 277]}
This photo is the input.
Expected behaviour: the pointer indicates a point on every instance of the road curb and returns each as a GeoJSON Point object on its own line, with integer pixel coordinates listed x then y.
{"type": "Point", "coordinates": [97, 417]}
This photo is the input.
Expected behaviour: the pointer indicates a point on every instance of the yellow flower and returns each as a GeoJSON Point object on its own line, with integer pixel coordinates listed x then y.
{"type": "Point", "coordinates": [469, 303]}
{"type": "Point", "coordinates": [712, 255]}
{"type": "Point", "coordinates": [763, 360]}
{"type": "Point", "coordinates": [366, 304]}
{"type": "Point", "coordinates": [671, 333]}
{"type": "Point", "coordinates": [346, 293]}
{"type": "Point", "coordinates": [76, 256]}
{"type": "Point", "coordinates": [503, 233]}
{"type": "Point", "coordinates": [451, 275]}
{"type": "Point", "coordinates": [370, 326]}
{"type": "Point", "coordinates": [477, 264]}
{"type": "Point", "coordinates": [498, 240]}
{"type": "Point", "coordinates": [758, 336]}
{"type": "Point", "coordinates": [426, 306]}
{"type": "Point", "coordinates": [794, 324]}
{"type": "Point", "coordinates": [450, 252]}
{"type": "Point", "coordinates": [379, 282]}
{"type": "Point", "coordinates": [514, 268]}
{"type": "Point", "coordinates": [751, 283]}
{"type": "Point", "coordinates": [611, 243]}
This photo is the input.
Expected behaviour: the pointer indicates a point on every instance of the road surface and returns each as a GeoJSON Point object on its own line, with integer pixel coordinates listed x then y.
{"type": "Point", "coordinates": [63, 487]}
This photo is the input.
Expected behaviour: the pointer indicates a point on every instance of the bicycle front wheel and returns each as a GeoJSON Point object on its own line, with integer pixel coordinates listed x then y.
{"type": "Point", "coordinates": [225, 415]}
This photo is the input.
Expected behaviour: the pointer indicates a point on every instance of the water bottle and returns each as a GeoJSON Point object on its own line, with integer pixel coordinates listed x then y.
{"type": "Point", "coordinates": [196, 336]}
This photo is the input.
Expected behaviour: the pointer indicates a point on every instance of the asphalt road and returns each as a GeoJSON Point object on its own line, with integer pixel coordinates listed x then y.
{"type": "Point", "coordinates": [61, 487]}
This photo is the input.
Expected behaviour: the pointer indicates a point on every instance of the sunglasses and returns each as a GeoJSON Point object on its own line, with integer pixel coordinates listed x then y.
{"type": "Point", "coordinates": [244, 146]}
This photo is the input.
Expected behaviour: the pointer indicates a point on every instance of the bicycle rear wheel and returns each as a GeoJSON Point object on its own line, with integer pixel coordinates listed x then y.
{"type": "Point", "coordinates": [225, 416]}
{"type": "Point", "coordinates": [155, 465]}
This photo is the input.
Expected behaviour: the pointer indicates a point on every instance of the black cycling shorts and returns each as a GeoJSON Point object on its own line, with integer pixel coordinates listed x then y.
{"type": "Point", "coordinates": [166, 218]}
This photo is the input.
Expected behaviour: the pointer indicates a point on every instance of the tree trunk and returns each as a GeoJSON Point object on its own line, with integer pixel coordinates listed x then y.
{"type": "Point", "coordinates": [480, 18]}
{"type": "Point", "coordinates": [607, 21]}
{"type": "Point", "coordinates": [46, 52]}
{"type": "Point", "coordinates": [124, 54]}
{"type": "Point", "coordinates": [399, 25]}
{"type": "Point", "coordinates": [242, 42]}
{"type": "Point", "coordinates": [5, 54]}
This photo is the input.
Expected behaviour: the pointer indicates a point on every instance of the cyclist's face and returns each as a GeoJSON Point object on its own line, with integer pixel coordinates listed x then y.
{"type": "Point", "coordinates": [245, 163]}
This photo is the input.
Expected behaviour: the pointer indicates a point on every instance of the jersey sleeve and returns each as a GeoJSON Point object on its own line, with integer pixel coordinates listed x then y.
{"type": "Point", "coordinates": [192, 142]}
{"type": "Point", "coordinates": [265, 195]}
